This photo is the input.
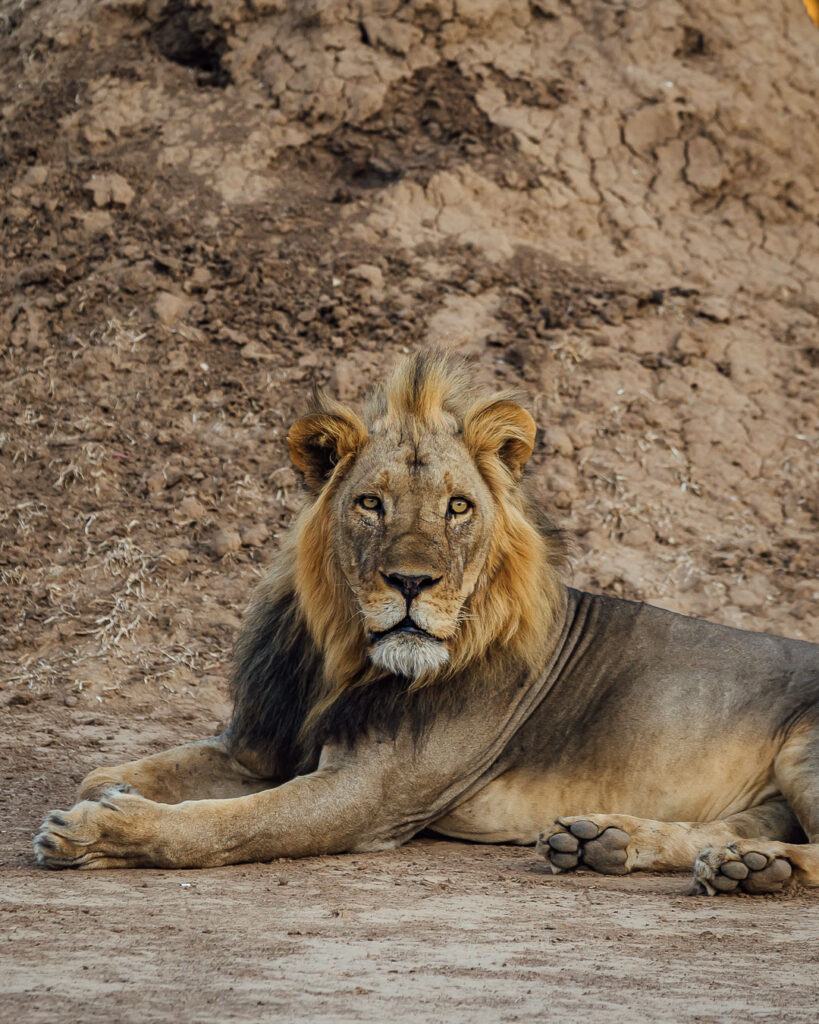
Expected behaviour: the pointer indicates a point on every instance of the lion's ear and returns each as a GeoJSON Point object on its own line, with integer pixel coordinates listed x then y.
{"type": "Point", "coordinates": [503, 429]}
{"type": "Point", "coordinates": [320, 441]}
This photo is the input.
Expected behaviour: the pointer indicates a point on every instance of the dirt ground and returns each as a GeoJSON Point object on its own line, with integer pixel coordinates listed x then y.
{"type": "Point", "coordinates": [208, 207]}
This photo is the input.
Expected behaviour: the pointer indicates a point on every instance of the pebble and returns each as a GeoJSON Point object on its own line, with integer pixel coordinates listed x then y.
{"type": "Point", "coordinates": [224, 541]}
{"type": "Point", "coordinates": [192, 508]}
{"type": "Point", "coordinates": [370, 273]}
{"type": "Point", "coordinates": [177, 556]}
{"type": "Point", "coordinates": [254, 536]}
{"type": "Point", "coordinates": [170, 308]}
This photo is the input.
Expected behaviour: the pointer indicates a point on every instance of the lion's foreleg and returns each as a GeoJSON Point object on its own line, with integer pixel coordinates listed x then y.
{"type": "Point", "coordinates": [329, 811]}
{"type": "Point", "coordinates": [619, 843]}
{"type": "Point", "coordinates": [207, 769]}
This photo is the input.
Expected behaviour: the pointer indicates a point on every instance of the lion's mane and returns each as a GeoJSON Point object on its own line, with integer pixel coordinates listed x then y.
{"type": "Point", "coordinates": [302, 674]}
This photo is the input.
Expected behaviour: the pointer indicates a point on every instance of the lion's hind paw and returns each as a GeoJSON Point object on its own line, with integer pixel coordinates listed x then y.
{"type": "Point", "coordinates": [580, 842]}
{"type": "Point", "coordinates": [739, 868]}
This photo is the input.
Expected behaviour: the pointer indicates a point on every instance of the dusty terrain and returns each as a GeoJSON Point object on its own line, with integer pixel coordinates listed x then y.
{"type": "Point", "coordinates": [206, 208]}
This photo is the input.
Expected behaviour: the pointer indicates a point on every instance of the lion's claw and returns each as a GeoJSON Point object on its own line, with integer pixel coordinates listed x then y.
{"type": "Point", "coordinates": [95, 833]}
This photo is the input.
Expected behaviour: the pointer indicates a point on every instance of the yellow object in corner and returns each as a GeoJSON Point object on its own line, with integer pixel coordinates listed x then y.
{"type": "Point", "coordinates": [812, 7]}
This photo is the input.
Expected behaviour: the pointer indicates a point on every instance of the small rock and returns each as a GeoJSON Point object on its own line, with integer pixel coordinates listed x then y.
{"type": "Point", "coordinates": [254, 536]}
{"type": "Point", "coordinates": [36, 176]}
{"type": "Point", "coordinates": [284, 476]}
{"type": "Point", "coordinates": [169, 308]}
{"type": "Point", "coordinates": [199, 279]}
{"type": "Point", "coordinates": [96, 222]}
{"type": "Point", "coordinates": [155, 483]}
{"type": "Point", "coordinates": [70, 701]}
{"type": "Point", "coordinates": [640, 535]}
{"type": "Point", "coordinates": [177, 556]}
{"type": "Point", "coordinates": [191, 508]}
{"type": "Point", "coordinates": [110, 188]}
{"type": "Point", "coordinates": [343, 382]}
{"type": "Point", "coordinates": [714, 309]}
{"type": "Point", "coordinates": [558, 440]}
{"type": "Point", "coordinates": [225, 541]}
{"type": "Point", "coordinates": [370, 273]}
{"type": "Point", "coordinates": [747, 597]}
{"type": "Point", "coordinates": [256, 351]}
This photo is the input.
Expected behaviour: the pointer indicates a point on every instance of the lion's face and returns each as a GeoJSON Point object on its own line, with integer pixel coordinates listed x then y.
{"type": "Point", "coordinates": [416, 552]}
{"type": "Point", "coordinates": [413, 526]}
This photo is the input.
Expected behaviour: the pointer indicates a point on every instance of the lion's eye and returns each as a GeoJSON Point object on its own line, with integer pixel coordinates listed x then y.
{"type": "Point", "coordinates": [370, 502]}
{"type": "Point", "coordinates": [459, 506]}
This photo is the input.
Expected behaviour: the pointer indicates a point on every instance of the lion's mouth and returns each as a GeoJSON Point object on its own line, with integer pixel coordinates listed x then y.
{"type": "Point", "coordinates": [406, 625]}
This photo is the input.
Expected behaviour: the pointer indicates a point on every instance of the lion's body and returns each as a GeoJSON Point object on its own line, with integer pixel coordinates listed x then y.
{"type": "Point", "coordinates": [413, 661]}
{"type": "Point", "coordinates": [649, 716]}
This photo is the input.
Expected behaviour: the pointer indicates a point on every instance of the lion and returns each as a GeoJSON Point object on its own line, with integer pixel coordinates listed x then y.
{"type": "Point", "coordinates": [414, 661]}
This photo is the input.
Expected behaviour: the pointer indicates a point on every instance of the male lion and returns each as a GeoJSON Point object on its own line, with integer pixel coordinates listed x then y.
{"type": "Point", "coordinates": [413, 661]}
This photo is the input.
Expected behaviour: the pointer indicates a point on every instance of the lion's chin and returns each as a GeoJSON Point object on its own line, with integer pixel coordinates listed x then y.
{"type": "Point", "coordinates": [409, 655]}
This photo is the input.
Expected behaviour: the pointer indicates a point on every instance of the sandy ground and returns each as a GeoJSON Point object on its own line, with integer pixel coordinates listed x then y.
{"type": "Point", "coordinates": [208, 207]}
{"type": "Point", "coordinates": [433, 931]}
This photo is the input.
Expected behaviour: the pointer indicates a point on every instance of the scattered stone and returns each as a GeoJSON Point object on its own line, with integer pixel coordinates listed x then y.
{"type": "Point", "coordinates": [342, 381]}
{"type": "Point", "coordinates": [191, 508]}
{"type": "Point", "coordinates": [256, 351]}
{"type": "Point", "coordinates": [96, 222]}
{"type": "Point", "coordinates": [224, 542]}
{"type": "Point", "coordinates": [254, 536]}
{"type": "Point", "coordinates": [640, 535]}
{"type": "Point", "coordinates": [110, 188]}
{"type": "Point", "coordinates": [177, 556]}
{"type": "Point", "coordinates": [36, 176]}
{"type": "Point", "coordinates": [370, 273]}
{"type": "Point", "coordinates": [170, 308]}
{"type": "Point", "coordinates": [713, 308]}
{"type": "Point", "coordinates": [155, 483]}
{"type": "Point", "coordinates": [557, 440]}
{"type": "Point", "coordinates": [284, 476]}
{"type": "Point", "coordinates": [200, 279]}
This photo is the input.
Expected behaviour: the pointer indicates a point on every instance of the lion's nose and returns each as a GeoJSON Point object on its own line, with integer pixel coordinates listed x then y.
{"type": "Point", "coordinates": [410, 586]}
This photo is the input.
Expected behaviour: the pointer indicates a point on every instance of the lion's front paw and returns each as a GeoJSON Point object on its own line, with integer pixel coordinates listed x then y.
{"type": "Point", "coordinates": [100, 782]}
{"type": "Point", "coordinates": [593, 842]}
{"type": "Point", "coordinates": [745, 865]}
{"type": "Point", "coordinates": [112, 832]}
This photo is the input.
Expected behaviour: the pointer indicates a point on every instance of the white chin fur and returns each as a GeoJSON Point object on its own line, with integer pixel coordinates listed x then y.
{"type": "Point", "coordinates": [403, 654]}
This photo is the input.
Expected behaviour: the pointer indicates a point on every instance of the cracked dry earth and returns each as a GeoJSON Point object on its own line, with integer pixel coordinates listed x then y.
{"type": "Point", "coordinates": [208, 207]}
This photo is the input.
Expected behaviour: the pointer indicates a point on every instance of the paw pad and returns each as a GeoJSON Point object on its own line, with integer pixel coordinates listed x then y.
{"type": "Point", "coordinates": [724, 870]}
{"type": "Point", "coordinates": [585, 844]}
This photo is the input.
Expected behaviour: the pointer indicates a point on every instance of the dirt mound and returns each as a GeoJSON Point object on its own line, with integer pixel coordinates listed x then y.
{"type": "Point", "coordinates": [210, 206]}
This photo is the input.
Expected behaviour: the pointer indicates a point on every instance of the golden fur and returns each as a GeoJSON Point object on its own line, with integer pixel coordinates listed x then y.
{"type": "Point", "coordinates": [517, 595]}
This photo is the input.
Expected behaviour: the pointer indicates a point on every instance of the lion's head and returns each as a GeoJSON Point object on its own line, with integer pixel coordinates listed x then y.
{"type": "Point", "coordinates": [416, 552]}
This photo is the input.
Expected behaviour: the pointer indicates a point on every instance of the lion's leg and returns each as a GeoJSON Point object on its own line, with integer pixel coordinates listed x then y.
{"type": "Point", "coordinates": [767, 866]}
{"type": "Point", "coordinates": [207, 769]}
{"type": "Point", "coordinates": [329, 811]}
{"type": "Point", "coordinates": [616, 844]}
